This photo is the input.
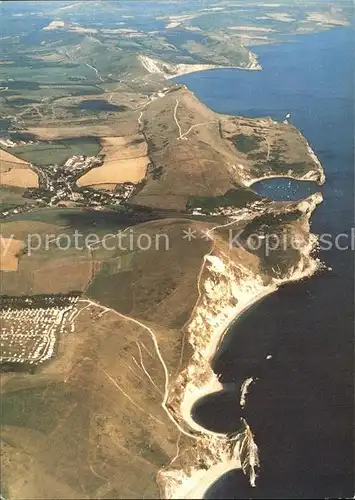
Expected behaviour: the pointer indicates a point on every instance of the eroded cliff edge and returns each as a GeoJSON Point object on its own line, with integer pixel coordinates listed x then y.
{"type": "Point", "coordinates": [123, 383]}
{"type": "Point", "coordinates": [230, 281]}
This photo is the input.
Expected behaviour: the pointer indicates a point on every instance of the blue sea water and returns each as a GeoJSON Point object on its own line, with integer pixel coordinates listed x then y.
{"type": "Point", "coordinates": [301, 408]}
{"type": "Point", "coordinates": [284, 189]}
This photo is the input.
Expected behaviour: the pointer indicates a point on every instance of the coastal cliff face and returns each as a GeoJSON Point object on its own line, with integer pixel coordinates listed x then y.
{"type": "Point", "coordinates": [150, 321]}
{"type": "Point", "coordinates": [230, 281]}
{"type": "Point", "coordinates": [132, 372]}
{"type": "Point", "coordinates": [168, 70]}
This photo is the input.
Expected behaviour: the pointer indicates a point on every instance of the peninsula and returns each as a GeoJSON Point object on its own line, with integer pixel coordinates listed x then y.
{"type": "Point", "coordinates": [131, 239]}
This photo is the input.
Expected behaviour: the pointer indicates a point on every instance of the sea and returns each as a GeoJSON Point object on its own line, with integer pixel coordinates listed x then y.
{"type": "Point", "coordinates": [299, 342]}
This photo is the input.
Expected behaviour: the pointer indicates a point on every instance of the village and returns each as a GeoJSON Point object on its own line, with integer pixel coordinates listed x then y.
{"type": "Point", "coordinates": [31, 327]}
{"type": "Point", "coordinates": [58, 187]}
{"type": "Point", "coordinates": [9, 143]}
{"type": "Point", "coordinates": [218, 211]}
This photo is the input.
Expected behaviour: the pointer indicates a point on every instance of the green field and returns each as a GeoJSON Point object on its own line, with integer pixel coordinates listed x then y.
{"type": "Point", "coordinates": [247, 143]}
{"type": "Point", "coordinates": [85, 220]}
{"type": "Point", "coordinates": [233, 197]}
{"type": "Point", "coordinates": [28, 408]}
{"type": "Point", "coordinates": [104, 287]}
{"type": "Point", "coordinates": [57, 152]}
{"type": "Point", "coordinates": [11, 197]}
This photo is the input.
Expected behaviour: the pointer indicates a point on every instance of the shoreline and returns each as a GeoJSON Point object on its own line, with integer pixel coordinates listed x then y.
{"type": "Point", "coordinates": [198, 379]}
{"type": "Point", "coordinates": [170, 71]}
{"type": "Point", "coordinates": [214, 385]}
{"type": "Point", "coordinates": [197, 484]}
{"type": "Point", "coordinates": [315, 175]}
{"type": "Point", "coordinates": [306, 178]}
{"type": "Point", "coordinates": [253, 66]}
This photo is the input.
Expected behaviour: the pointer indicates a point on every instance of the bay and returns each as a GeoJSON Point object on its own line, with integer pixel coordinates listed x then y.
{"type": "Point", "coordinates": [301, 407]}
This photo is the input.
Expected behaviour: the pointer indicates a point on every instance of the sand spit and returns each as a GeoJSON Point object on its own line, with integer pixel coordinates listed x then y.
{"type": "Point", "coordinates": [227, 289]}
